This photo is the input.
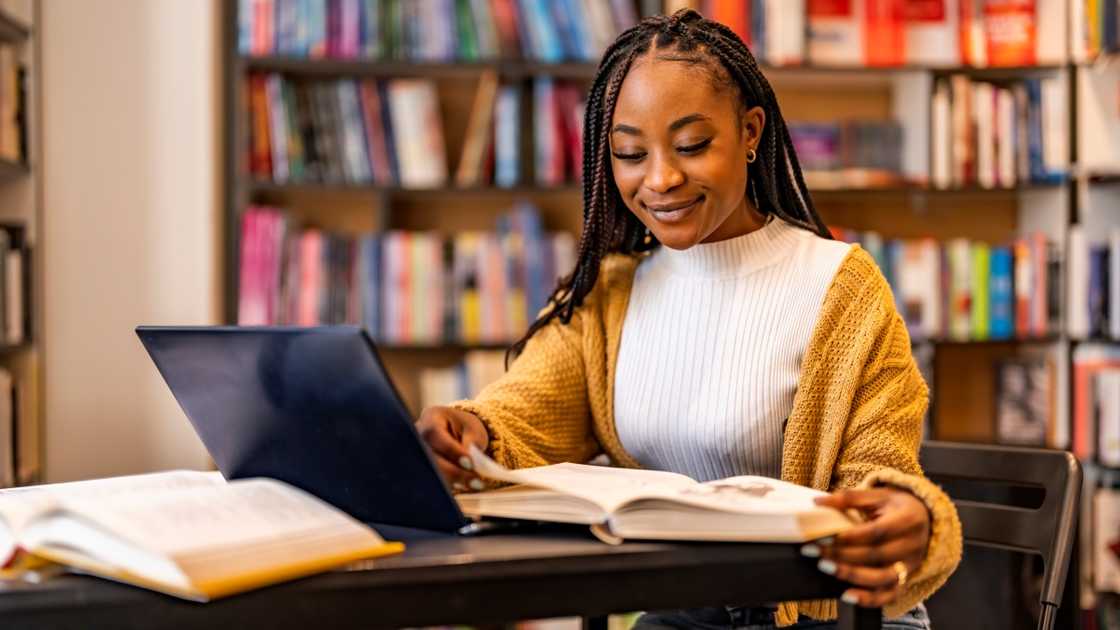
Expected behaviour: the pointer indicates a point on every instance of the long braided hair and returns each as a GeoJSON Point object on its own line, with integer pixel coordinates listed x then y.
{"type": "Point", "coordinates": [774, 182]}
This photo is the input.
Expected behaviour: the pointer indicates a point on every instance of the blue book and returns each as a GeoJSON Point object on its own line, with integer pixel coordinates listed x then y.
{"type": "Point", "coordinates": [564, 18]}
{"type": "Point", "coordinates": [370, 261]}
{"type": "Point", "coordinates": [317, 28]}
{"type": "Point", "coordinates": [245, 27]}
{"type": "Point", "coordinates": [1098, 291]}
{"type": "Point", "coordinates": [390, 142]}
{"type": "Point", "coordinates": [507, 140]}
{"type": "Point", "coordinates": [1034, 129]}
{"type": "Point", "coordinates": [546, 44]}
{"type": "Point", "coordinates": [1000, 294]}
{"type": "Point", "coordinates": [371, 42]}
{"type": "Point", "coordinates": [758, 29]}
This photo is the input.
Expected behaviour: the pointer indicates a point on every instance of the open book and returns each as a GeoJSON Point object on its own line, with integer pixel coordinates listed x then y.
{"type": "Point", "coordinates": [646, 504]}
{"type": "Point", "coordinates": [188, 534]}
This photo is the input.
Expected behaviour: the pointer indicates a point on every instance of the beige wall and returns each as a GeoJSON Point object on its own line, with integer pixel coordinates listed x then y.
{"type": "Point", "coordinates": [130, 115]}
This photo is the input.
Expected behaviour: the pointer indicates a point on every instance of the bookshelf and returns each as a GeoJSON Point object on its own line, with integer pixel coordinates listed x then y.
{"type": "Point", "coordinates": [21, 425]}
{"type": "Point", "coordinates": [964, 391]}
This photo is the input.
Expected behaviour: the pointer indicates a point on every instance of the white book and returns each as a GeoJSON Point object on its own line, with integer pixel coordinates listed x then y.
{"type": "Point", "coordinates": [1055, 123]}
{"type": "Point", "coordinates": [1105, 565]}
{"type": "Point", "coordinates": [942, 172]}
{"type": "Point", "coordinates": [622, 504]}
{"type": "Point", "coordinates": [417, 133]}
{"type": "Point", "coordinates": [1051, 34]}
{"type": "Point", "coordinates": [13, 298]}
{"type": "Point", "coordinates": [1005, 137]}
{"type": "Point", "coordinates": [1078, 291]}
{"type": "Point", "coordinates": [184, 533]}
{"type": "Point", "coordinates": [932, 35]}
{"type": "Point", "coordinates": [785, 23]}
{"type": "Point", "coordinates": [982, 105]}
{"type": "Point", "coordinates": [1108, 417]}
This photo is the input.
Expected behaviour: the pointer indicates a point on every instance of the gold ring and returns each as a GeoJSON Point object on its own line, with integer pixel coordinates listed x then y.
{"type": "Point", "coordinates": [900, 569]}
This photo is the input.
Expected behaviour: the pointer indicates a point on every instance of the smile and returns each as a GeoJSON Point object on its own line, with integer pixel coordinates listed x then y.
{"type": "Point", "coordinates": [673, 212]}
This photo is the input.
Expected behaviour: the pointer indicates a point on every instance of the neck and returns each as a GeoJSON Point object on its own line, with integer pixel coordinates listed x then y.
{"type": "Point", "coordinates": [743, 220]}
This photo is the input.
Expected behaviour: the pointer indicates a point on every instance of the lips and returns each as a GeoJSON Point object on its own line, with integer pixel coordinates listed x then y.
{"type": "Point", "coordinates": [673, 211]}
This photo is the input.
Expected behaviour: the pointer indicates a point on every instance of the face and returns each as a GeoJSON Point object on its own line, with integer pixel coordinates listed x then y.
{"type": "Point", "coordinates": [679, 153]}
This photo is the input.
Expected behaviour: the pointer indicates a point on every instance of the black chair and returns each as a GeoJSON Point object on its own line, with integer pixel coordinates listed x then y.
{"type": "Point", "coordinates": [1044, 527]}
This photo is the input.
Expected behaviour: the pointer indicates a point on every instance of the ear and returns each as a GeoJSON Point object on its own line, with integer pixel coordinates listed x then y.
{"type": "Point", "coordinates": [753, 122]}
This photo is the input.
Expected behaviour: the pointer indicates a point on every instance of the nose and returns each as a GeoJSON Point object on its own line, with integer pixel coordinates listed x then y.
{"type": "Point", "coordinates": [663, 175]}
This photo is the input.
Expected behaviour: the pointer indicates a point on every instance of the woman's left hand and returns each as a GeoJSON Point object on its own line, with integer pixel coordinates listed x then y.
{"type": "Point", "coordinates": [896, 530]}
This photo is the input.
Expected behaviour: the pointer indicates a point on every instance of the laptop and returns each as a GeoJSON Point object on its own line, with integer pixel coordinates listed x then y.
{"type": "Point", "coordinates": [313, 407]}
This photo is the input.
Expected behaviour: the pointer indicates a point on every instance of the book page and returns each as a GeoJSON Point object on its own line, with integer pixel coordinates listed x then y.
{"type": "Point", "coordinates": [606, 487]}
{"type": "Point", "coordinates": [19, 505]}
{"type": "Point", "coordinates": [193, 520]}
{"type": "Point", "coordinates": [751, 495]}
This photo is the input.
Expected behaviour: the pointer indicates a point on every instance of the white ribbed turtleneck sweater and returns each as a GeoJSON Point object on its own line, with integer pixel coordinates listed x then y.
{"type": "Point", "coordinates": [712, 346]}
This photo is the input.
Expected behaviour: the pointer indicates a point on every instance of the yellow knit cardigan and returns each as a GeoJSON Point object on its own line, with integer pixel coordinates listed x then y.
{"type": "Point", "coordinates": [856, 418]}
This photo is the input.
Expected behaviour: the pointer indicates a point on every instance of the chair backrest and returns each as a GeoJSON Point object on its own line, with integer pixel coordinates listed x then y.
{"type": "Point", "coordinates": [1047, 530]}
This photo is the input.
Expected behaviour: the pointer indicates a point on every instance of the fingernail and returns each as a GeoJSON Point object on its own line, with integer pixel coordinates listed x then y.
{"type": "Point", "coordinates": [458, 486]}
{"type": "Point", "coordinates": [811, 551]}
{"type": "Point", "coordinates": [476, 484]}
{"type": "Point", "coordinates": [827, 566]}
{"type": "Point", "coordinates": [465, 463]}
{"type": "Point", "coordinates": [826, 541]}
{"type": "Point", "coordinates": [849, 598]}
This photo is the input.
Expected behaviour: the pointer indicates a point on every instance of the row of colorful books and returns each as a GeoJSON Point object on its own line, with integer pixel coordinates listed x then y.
{"type": "Point", "coordinates": [13, 101]}
{"type": "Point", "coordinates": [998, 135]}
{"type": "Point", "coordinates": [390, 133]}
{"type": "Point", "coordinates": [1096, 28]}
{"type": "Point", "coordinates": [964, 290]}
{"type": "Point", "coordinates": [433, 30]}
{"type": "Point", "coordinates": [407, 288]}
{"type": "Point", "coordinates": [849, 154]}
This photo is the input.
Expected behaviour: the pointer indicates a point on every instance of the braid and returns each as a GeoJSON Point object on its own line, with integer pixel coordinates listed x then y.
{"type": "Point", "coordinates": [775, 182]}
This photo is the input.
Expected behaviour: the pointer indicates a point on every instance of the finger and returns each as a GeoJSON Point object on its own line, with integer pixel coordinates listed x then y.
{"type": "Point", "coordinates": [474, 432]}
{"type": "Point", "coordinates": [870, 598]}
{"type": "Point", "coordinates": [869, 577]}
{"type": "Point", "coordinates": [858, 499]}
{"type": "Point", "coordinates": [889, 526]}
{"type": "Point", "coordinates": [459, 479]}
{"type": "Point", "coordinates": [899, 550]}
{"type": "Point", "coordinates": [439, 437]}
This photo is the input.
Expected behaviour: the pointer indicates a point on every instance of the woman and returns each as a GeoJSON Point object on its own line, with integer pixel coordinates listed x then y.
{"type": "Point", "coordinates": [712, 327]}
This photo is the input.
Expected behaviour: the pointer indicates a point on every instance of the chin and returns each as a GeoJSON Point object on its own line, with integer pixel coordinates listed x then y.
{"type": "Point", "coordinates": [677, 238]}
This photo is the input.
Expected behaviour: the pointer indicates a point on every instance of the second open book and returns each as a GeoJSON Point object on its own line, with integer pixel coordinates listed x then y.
{"type": "Point", "coordinates": [646, 504]}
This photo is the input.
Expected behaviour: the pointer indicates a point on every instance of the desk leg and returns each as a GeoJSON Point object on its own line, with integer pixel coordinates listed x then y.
{"type": "Point", "coordinates": [857, 618]}
{"type": "Point", "coordinates": [595, 623]}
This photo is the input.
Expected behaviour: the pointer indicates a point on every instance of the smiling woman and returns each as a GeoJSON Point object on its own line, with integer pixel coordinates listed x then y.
{"type": "Point", "coordinates": [713, 328]}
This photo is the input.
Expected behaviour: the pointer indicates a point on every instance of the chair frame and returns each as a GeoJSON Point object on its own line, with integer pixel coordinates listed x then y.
{"type": "Point", "coordinates": [1047, 530]}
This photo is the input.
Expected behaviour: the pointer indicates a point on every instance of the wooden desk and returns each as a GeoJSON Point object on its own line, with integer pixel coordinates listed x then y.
{"type": "Point", "coordinates": [483, 580]}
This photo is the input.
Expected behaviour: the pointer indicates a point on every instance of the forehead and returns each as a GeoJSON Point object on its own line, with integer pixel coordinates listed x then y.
{"type": "Point", "coordinates": [660, 91]}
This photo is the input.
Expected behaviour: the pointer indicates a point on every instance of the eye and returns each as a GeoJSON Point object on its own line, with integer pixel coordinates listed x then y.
{"type": "Point", "coordinates": [695, 148]}
{"type": "Point", "coordinates": [628, 157]}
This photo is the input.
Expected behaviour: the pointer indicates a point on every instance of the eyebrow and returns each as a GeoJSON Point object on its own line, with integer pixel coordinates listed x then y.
{"type": "Point", "coordinates": [675, 125]}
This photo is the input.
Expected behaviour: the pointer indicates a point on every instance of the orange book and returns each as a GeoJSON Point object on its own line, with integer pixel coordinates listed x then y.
{"type": "Point", "coordinates": [260, 157]}
{"type": "Point", "coordinates": [884, 32]}
{"type": "Point", "coordinates": [310, 277]}
{"type": "Point", "coordinates": [735, 14]}
{"type": "Point", "coordinates": [1009, 32]}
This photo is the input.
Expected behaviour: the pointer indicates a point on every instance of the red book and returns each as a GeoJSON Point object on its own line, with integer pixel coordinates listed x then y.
{"type": "Point", "coordinates": [260, 156]}
{"type": "Point", "coordinates": [375, 133]}
{"type": "Point", "coordinates": [311, 277]}
{"type": "Point", "coordinates": [1009, 32]}
{"type": "Point", "coordinates": [884, 32]}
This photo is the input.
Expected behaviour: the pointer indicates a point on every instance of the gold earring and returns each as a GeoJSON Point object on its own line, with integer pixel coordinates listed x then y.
{"type": "Point", "coordinates": [751, 156]}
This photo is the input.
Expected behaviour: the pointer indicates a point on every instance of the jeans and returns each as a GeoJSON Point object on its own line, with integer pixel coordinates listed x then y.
{"type": "Point", "coordinates": [755, 618]}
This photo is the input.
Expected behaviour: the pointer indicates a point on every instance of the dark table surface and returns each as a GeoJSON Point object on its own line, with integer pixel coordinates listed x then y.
{"type": "Point", "coordinates": [480, 580]}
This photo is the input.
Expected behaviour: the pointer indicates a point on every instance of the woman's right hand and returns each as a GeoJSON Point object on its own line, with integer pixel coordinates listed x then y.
{"type": "Point", "coordinates": [449, 433]}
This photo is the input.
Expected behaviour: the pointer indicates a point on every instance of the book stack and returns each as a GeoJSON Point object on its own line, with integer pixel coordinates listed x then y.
{"type": "Point", "coordinates": [964, 290]}
{"type": "Point", "coordinates": [774, 30]}
{"type": "Point", "coordinates": [407, 288]}
{"type": "Point", "coordinates": [978, 33]}
{"type": "Point", "coordinates": [849, 154]}
{"type": "Point", "coordinates": [433, 30]}
{"type": "Point", "coordinates": [346, 131]}
{"type": "Point", "coordinates": [13, 107]}
{"type": "Point", "coordinates": [1026, 401]}
{"type": "Point", "coordinates": [479, 368]}
{"type": "Point", "coordinates": [994, 135]}
{"type": "Point", "coordinates": [1096, 404]}
{"type": "Point", "coordinates": [557, 131]}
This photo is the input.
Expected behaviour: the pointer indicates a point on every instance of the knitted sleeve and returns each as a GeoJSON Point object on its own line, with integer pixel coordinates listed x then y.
{"type": "Point", "coordinates": [538, 413]}
{"type": "Point", "coordinates": [884, 432]}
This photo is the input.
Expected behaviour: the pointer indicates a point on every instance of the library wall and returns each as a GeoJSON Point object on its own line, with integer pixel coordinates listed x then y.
{"type": "Point", "coordinates": [131, 179]}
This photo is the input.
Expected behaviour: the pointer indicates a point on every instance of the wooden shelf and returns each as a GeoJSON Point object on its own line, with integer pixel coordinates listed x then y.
{"type": "Point", "coordinates": [6, 350]}
{"type": "Point", "coordinates": [12, 31]}
{"type": "Point", "coordinates": [12, 170]}
{"type": "Point", "coordinates": [512, 68]}
{"type": "Point", "coordinates": [990, 342]}
{"type": "Point", "coordinates": [441, 347]}
{"type": "Point", "coordinates": [259, 187]}
{"type": "Point", "coordinates": [924, 189]}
